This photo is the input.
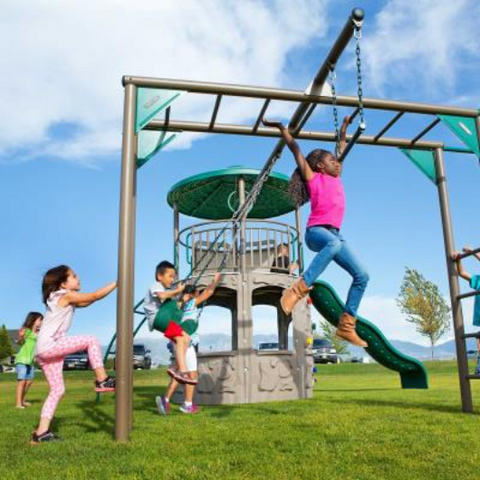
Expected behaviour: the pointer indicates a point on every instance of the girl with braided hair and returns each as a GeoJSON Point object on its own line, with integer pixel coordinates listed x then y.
{"type": "Point", "coordinates": [317, 179]}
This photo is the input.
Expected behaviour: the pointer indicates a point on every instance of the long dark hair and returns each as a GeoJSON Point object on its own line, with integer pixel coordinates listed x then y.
{"type": "Point", "coordinates": [53, 279]}
{"type": "Point", "coordinates": [30, 319]}
{"type": "Point", "coordinates": [297, 188]}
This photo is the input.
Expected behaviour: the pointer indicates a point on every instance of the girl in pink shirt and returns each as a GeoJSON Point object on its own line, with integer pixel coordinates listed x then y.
{"type": "Point", "coordinates": [318, 179]}
{"type": "Point", "coordinates": [60, 289]}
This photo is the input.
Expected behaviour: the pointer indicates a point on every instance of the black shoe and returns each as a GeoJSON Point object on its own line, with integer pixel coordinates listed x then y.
{"type": "Point", "coordinates": [107, 385]}
{"type": "Point", "coordinates": [44, 437]}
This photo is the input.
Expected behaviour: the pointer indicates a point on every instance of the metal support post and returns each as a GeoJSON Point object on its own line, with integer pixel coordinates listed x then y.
{"type": "Point", "coordinates": [462, 361]}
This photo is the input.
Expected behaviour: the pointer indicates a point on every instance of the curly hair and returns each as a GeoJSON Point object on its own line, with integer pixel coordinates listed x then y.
{"type": "Point", "coordinates": [297, 188]}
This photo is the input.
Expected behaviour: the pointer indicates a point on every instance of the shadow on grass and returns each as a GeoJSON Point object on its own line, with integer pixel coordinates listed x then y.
{"type": "Point", "coordinates": [96, 420]}
{"type": "Point", "coordinates": [406, 405]}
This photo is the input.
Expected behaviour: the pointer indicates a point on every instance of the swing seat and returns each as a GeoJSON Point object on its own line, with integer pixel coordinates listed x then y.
{"type": "Point", "coordinates": [168, 312]}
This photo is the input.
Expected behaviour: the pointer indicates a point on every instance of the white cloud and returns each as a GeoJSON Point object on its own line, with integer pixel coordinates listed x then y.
{"type": "Point", "coordinates": [426, 44]}
{"type": "Point", "coordinates": [65, 61]}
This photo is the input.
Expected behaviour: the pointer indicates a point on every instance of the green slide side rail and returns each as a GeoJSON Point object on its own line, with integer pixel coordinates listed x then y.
{"type": "Point", "coordinates": [412, 371]}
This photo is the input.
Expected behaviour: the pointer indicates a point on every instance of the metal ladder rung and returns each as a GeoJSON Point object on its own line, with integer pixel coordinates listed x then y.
{"type": "Point", "coordinates": [471, 335]}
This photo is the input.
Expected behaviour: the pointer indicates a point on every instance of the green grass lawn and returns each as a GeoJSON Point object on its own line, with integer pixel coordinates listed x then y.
{"type": "Point", "coordinates": [360, 425]}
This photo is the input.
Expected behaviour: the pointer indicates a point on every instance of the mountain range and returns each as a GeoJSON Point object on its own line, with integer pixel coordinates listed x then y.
{"type": "Point", "coordinates": [222, 342]}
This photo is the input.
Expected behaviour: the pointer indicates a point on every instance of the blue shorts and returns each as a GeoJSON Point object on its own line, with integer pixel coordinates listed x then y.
{"type": "Point", "coordinates": [25, 372]}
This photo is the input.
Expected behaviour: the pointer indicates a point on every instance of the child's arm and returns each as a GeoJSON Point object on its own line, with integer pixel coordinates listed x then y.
{"type": "Point", "coordinates": [208, 292]}
{"type": "Point", "coordinates": [170, 293]}
{"type": "Point", "coordinates": [343, 134]}
{"type": "Point", "coordinates": [303, 166]}
{"type": "Point", "coordinates": [21, 336]}
{"type": "Point", "coordinates": [468, 249]}
{"type": "Point", "coordinates": [293, 267]}
{"type": "Point", "coordinates": [461, 271]}
{"type": "Point", "coordinates": [85, 299]}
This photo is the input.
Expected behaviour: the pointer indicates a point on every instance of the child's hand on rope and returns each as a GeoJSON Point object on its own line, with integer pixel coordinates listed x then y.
{"type": "Point", "coordinates": [455, 255]}
{"type": "Point", "coordinates": [217, 277]}
{"type": "Point", "coordinates": [467, 249]}
{"type": "Point", "coordinates": [180, 288]}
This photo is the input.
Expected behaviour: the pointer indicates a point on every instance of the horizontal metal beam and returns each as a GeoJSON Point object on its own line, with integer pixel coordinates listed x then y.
{"type": "Point", "coordinates": [202, 127]}
{"type": "Point", "coordinates": [295, 96]}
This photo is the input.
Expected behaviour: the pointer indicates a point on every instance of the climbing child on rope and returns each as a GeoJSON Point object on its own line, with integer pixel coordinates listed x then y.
{"type": "Point", "coordinates": [60, 290]}
{"type": "Point", "coordinates": [192, 300]}
{"type": "Point", "coordinates": [24, 359]}
{"type": "Point", "coordinates": [318, 179]}
{"type": "Point", "coordinates": [159, 293]}
{"type": "Point", "coordinates": [474, 281]}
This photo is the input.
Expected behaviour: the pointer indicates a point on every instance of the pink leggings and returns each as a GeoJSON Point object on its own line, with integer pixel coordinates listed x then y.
{"type": "Point", "coordinates": [51, 362]}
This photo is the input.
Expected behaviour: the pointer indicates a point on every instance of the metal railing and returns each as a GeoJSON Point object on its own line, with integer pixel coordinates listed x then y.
{"type": "Point", "coordinates": [268, 245]}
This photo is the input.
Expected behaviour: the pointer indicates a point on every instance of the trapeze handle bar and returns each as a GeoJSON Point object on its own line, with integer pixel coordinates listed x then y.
{"type": "Point", "coordinates": [353, 140]}
{"type": "Point", "coordinates": [353, 22]}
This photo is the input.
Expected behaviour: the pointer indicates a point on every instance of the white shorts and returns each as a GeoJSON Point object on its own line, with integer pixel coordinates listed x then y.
{"type": "Point", "coordinates": [191, 359]}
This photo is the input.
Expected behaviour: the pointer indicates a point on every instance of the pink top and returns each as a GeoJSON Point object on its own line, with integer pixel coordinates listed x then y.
{"type": "Point", "coordinates": [56, 322]}
{"type": "Point", "coordinates": [327, 200]}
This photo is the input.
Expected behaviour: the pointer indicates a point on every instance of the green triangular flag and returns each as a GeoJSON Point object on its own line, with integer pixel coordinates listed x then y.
{"type": "Point", "coordinates": [151, 101]}
{"type": "Point", "coordinates": [150, 142]}
{"type": "Point", "coordinates": [464, 128]}
{"type": "Point", "coordinates": [424, 160]}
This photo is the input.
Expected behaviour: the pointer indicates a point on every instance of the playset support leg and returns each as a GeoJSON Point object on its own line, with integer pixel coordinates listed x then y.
{"type": "Point", "coordinates": [462, 360]}
{"type": "Point", "coordinates": [125, 301]}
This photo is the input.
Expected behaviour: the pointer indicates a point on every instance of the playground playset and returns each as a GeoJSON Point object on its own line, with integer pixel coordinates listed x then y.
{"type": "Point", "coordinates": [240, 238]}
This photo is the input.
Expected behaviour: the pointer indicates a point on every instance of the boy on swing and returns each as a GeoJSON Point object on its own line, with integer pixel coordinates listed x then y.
{"type": "Point", "coordinates": [158, 293]}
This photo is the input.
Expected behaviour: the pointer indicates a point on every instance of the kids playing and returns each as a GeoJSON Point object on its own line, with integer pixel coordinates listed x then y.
{"type": "Point", "coordinates": [60, 289]}
{"type": "Point", "coordinates": [318, 179]}
{"type": "Point", "coordinates": [157, 294]}
{"type": "Point", "coordinates": [191, 300]}
{"type": "Point", "coordinates": [24, 360]}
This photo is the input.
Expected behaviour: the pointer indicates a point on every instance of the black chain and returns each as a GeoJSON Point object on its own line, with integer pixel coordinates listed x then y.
{"type": "Point", "coordinates": [332, 75]}
{"type": "Point", "coordinates": [358, 36]}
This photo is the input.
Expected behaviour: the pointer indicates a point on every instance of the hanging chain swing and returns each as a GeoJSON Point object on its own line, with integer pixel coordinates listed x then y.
{"type": "Point", "coordinates": [361, 114]}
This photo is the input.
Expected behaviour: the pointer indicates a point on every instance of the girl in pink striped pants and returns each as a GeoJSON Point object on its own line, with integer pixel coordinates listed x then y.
{"type": "Point", "coordinates": [61, 294]}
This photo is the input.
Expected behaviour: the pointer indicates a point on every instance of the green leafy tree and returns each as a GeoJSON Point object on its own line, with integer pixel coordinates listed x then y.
{"type": "Point", "coordinates": [422, 301]}
{"type": "Point", "coordinates": [6, 349]}
{"type": "Point", "coordinates": [328, 332]}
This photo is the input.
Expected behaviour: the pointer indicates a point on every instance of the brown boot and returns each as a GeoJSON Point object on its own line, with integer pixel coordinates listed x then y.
{"type": "Point", "coordinates": [291, 296]}
{"type": "Point", "coordinates": [346, 330]}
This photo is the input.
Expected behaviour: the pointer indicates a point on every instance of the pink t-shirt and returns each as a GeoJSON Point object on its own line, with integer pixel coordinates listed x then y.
{"type": "Point", "coordinates": [56, 322]}
{"type": "Point", "coordinates": [327, 199]}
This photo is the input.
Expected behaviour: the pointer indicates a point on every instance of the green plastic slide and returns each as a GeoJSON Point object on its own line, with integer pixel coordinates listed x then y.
{"type": "Point", "coordinates": [412, 372]}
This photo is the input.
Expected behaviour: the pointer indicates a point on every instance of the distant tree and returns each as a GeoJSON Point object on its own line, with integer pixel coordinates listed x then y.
{"type": "Point", "coordinates": [328, 332]}
{"type": "Point", "coordinates": [422, 301]}
{"type": "Point", "coordinates": [6, 349]}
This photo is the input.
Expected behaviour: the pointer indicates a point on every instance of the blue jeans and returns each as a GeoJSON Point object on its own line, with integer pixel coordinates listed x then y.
{"type": "Point", "coordinates": [330, 245]}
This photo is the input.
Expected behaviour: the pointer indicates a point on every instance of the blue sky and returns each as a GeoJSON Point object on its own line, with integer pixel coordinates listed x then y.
{"type": "Point", "coordinates": [60, 143]}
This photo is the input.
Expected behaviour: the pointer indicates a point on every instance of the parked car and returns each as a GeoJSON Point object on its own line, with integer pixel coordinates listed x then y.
{"type": "Point", "coordinates": [268, 346]}
{"type": "Point", "coordinates": [324, 352]}
{"type": "Point", "coordinates": [141, 357]}
{"type": "Point", "coordinates": [76, 361]}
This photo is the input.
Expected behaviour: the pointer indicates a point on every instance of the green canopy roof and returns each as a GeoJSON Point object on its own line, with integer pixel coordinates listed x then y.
{"type": "Point", "coordinates": [214, 195]}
